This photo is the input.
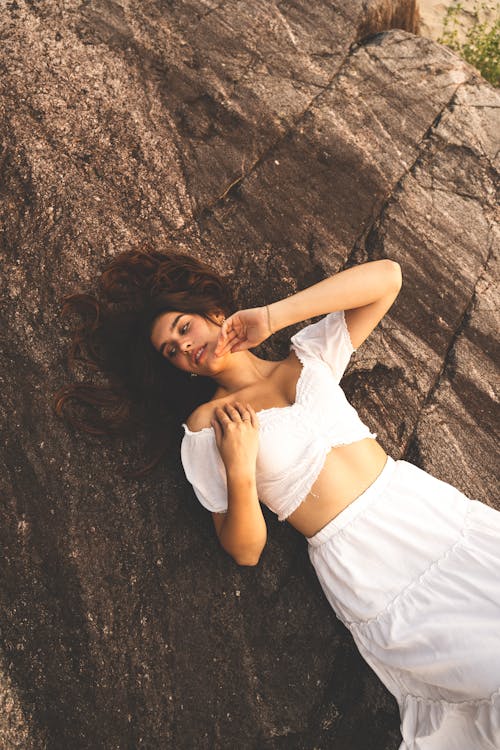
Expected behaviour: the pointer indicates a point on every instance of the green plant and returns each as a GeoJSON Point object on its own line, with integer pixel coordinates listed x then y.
{"type": "Point", "coordinates": [481, 42]}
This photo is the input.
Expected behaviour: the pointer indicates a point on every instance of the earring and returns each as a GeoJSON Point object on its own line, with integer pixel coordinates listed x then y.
{"type": "Point", "coordinates": [193, 374]}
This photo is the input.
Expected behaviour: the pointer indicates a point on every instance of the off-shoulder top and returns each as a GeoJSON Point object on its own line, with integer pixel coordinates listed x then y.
{"type": "Point", "coordinates": [293, 440]}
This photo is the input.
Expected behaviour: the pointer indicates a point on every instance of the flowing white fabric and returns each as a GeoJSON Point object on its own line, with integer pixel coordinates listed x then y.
{"type": "Point", "coordinates": [412, 568]}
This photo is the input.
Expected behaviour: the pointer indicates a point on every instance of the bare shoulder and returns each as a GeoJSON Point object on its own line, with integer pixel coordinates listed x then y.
{"type": "Point", "coordinates": [202, 415]}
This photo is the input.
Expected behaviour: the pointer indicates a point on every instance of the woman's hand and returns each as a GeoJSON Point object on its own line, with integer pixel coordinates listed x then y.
{"type": "Point", "coordinates": [237, 436]}
{"type": "Point", "coordinates": [243, 330]}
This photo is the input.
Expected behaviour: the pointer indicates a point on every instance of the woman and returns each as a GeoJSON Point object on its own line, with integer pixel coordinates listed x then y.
{"type": "Point", "coordinates": [408, 563]}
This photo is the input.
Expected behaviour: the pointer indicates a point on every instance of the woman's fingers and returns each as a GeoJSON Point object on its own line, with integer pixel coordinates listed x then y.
{"type": "Point", "coordinates": [233, 331]}
{"type": "Point", "coordinates": [233, 412]}
{"type": "Point", "coordinates": [253, 416]}
{"type": "Point", "coordinates": [217, 429]}
{"type": "Point", "coordinates": [243, 330]}
{"type": "Point", "coordinates": [222, 415]}
{"type": "Point", "coordinates": [226, 414]}
{"type": "Point", "coordinates": [226, 339]}
{"type": "Point", "coordinates": [243, 411]}
{"type": "Point", "coordinates": [224, 345]}
{"type": "Point", "coordinates": [246, 413]}
{"type": "Point", "coordinates": [236, 413]}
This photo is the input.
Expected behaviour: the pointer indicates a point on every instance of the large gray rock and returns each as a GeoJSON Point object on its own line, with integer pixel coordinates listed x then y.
{"type": "Point", "coordinates": [281, 142]}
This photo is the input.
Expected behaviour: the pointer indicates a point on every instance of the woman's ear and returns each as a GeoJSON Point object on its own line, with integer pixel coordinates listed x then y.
{"type": "Point", "coordinates": [217, 316]}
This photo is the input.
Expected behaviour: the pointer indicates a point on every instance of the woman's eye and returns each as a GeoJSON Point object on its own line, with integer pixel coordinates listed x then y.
{"type": "Point", "coordinates": [184, 329]}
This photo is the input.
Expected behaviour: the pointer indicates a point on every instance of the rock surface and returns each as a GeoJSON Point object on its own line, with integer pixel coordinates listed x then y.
{"type": "Point", "coordinates": [281, 142]}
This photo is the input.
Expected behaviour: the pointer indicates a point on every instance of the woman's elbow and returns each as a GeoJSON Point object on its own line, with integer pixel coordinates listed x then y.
{"type": "Point", "coordinates": [248, 557]}
{"type": "Point", "coordinates": [247, 562]}
{"type": "Point", "coordinates": [395, 274]}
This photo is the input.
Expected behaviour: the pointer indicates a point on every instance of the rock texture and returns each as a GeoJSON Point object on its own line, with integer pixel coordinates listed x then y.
{"type": "Point", "coordinates": [280, 141]}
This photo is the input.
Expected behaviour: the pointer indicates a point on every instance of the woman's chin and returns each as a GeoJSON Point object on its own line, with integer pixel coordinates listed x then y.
{"type": "Point", "coordinates": [213, 365]}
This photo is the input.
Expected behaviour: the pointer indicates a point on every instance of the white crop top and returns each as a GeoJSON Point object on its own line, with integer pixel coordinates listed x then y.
{"type": "Point", "coordinates": [293, 440]}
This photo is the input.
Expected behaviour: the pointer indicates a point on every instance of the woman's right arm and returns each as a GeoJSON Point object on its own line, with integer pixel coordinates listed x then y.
{"type": "Point", "coordinates": [242, 530]}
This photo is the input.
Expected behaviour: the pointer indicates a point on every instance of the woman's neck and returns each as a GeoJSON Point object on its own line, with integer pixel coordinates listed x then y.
{"type": "Point", "coordinates": [243, 370]}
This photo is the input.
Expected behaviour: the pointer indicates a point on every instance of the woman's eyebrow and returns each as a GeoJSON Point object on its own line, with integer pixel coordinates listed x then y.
{"type": "Point", "coordinates": [176, 320]}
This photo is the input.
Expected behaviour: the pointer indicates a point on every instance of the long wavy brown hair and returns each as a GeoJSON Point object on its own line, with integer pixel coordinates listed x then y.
{"type": "Point", "coordinates": [138, 391]}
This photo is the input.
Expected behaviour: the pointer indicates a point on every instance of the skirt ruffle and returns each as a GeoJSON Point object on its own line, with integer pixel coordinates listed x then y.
{"type": "Point", "coordinates": [412, 568]}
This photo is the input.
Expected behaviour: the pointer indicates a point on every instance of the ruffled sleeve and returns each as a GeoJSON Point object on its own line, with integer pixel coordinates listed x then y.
{"type": "Point", "coordinates": [204, 468]}
{"type": "Point", "coordinates": [329, 340]}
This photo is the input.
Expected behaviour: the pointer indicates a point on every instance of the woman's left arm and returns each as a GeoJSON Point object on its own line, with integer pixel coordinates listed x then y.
{"type": "Point", "coordinates": [365, 292]}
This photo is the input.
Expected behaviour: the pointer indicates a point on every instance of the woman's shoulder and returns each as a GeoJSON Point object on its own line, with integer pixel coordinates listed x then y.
{"type": "Point", "coordinates": [200, 418]}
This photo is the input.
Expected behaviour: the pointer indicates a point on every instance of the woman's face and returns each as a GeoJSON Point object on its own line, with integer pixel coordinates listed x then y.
{"type": "Point", "coordinates": [188, 341]}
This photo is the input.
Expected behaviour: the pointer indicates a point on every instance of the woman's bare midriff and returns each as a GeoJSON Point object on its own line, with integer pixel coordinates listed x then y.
{"type": "Point", "coordinates": [347, 472]}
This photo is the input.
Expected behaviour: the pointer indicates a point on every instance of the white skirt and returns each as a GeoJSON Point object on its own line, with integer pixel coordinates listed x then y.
{"type": "Point", "coordinates": [412, 568]}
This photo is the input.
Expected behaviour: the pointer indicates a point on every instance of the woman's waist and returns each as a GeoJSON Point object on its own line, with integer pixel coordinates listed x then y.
{"type": "Point", "coordinates": [347, 472]}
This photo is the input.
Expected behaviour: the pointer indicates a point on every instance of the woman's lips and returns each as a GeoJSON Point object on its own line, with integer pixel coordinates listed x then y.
{"type": "Point", "coordinates": [199, 354]}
